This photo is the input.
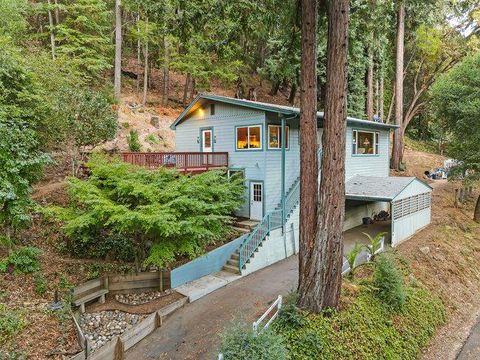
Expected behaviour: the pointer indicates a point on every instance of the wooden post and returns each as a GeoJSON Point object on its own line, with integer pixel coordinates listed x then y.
{"type": "Point", "coordinates": [158, 320]}
{"type": "Point", "coordinates": [118, 352]}
{"type": "Point", "coordinates": [185, 163]}
{"type": "Point", "coordinates": [462, 195]}
{"type": "Point", "coordinates": [456, 198]}
{"type": "Point", "coordinates": [161, 279]}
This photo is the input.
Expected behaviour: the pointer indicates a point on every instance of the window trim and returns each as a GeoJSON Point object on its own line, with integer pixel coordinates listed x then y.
{"type": "Point", "coordinates": [354, 142]}
{"type": "Point", "coordinates": [260, 126]}
{"type": "Point", "coordinates": [229, 170]}
{"type": "Point", "coordinates": [268, 137]}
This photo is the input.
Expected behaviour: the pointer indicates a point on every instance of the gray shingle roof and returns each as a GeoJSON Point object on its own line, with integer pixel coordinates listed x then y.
{"type": "Point", "coordinates": [376, 187]}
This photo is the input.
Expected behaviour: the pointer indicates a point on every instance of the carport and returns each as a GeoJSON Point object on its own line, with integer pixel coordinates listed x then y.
{"type": "Point", "coordinates": [410, 201]}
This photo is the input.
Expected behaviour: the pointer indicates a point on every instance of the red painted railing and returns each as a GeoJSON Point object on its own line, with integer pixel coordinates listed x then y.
{"type": "Point", "coordinates": [183, 161]}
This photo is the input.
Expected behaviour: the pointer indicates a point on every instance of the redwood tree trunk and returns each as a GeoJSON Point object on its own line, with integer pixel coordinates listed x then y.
{"type": "Point", "coordinates": [308, 256]}
{"type": "Point", "coordinates": [185, 89]}
{"type": "Point", "coordinates": [370, 85]}
{"type": "Point", "coordinates": [51, 28]}
{"type": "Point", "coordinates": [322, 274]}
{"type": "Point", "coordinates": [118, 49]}
{"type": "Point", "coordinates": [166, 64]}
{"type": "Point", "coordinates": [397, 135]}
{"type": "Point", "coordinates": [145, 71]}
{"type": "Point", "coordinates": [476, 214]}
{"type": "Point", "coordinates": [380, 99]}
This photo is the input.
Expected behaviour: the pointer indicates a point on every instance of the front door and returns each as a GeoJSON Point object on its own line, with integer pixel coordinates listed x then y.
{"type": "Point", "coordinates": [207, 141]}
{"type": "Point", "coordinates": [256, 200]}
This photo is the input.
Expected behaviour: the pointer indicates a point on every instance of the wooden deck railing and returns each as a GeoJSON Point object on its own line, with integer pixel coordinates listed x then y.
{"type": "Point", "coordinates": [183, 161]}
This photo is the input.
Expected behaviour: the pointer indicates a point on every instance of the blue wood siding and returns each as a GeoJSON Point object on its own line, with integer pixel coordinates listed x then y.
{"type": "Point", "coordinates": [367, 165]}
{"type": "Point", "coordinates": [226, 118]}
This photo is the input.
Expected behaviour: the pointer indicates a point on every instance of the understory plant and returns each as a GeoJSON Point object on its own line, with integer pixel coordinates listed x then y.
{"type": "Point", "coordinates": [374, 243]}
{"type": "Point", "coordinates": [239, 343]}
{"type": "Point", "coordinates": [352, 257]}
{"type": "Point", "coordinates": [158, 215]}
{"type": "Point", "coordinates": [133, 141]}
{"type": "Point", "coordinates": [23, 260]}
{"type": "Point", "coordinates": [388, 282]}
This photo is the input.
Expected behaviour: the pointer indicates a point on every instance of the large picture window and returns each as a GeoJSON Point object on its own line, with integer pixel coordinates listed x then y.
{"type": "Point", "coordinates": [249, 137]}
{"type": "Point", "coordinates": [365, 142]}
{"type": "Point", "coordinates": [275, 137]}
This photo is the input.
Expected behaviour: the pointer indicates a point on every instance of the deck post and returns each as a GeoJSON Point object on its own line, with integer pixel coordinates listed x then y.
{"type": "Point", "coordinates": [283, 174]}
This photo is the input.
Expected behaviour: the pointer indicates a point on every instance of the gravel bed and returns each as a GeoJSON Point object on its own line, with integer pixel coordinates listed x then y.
{"type": "Point", "coordinates": [141, 298]}
{"type": "Point", "coordinates": [101, 327]}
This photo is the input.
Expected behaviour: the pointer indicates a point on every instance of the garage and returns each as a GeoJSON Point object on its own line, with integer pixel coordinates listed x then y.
{"type": "Point", "coordinates": [410, 201]}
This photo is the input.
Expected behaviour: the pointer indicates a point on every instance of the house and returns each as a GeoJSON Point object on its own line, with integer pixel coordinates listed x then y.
{"type": "Point", "coordinates": [251, 133]}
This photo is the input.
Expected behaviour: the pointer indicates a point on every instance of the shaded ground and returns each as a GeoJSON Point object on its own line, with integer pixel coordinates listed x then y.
{"type": "Point", "coordinates": [471, 349]}
{"type": "Point", "coordinates": [193, 331]}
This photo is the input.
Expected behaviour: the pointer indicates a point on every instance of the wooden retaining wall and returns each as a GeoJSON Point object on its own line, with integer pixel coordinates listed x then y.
{"type": "Point", "coordinates": [147, 281]}
{"type": "Point", "coordinates": [115, 349]}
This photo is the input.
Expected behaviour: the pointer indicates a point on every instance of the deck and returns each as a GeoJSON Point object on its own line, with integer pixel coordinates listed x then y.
{"type": "Point", "coordinates": [186, 162]}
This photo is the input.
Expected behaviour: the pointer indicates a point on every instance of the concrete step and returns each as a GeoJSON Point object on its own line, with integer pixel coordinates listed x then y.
{"type": "Point", "coordinates": [235, 256]}
{"type": "Point", "coordinates": [231, 269]}
{"type": "Point", "coordinates": [246, 224]}
{"type": "Point", "coordinates": [242, 230]}
{"type": "Point", "coordinates": [232, 262]}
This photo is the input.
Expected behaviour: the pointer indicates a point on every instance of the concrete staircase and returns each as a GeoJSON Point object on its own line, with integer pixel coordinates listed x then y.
{"type": "Point", "coordinates": [244, 226]}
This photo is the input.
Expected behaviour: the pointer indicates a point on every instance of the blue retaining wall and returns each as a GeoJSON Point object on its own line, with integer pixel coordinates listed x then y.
{"type": "Point", "coordinates": [204, 265]}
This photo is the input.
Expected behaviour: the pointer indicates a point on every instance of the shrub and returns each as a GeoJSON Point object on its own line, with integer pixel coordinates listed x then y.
{"type": "Point", "coordinates": [24, 260]}
{"type": "Point", "coordinates": [374, 243]}
{"type": "Point", "coordinates": [389, 283]}
{"type": "Point", "coordinates": [158, 215]}
{"type": "Point", "coordinates": [152, 139]}
{"type": "Point", "coordinates": [352, 257]}
{"type": "Point", "coordinates": [133, 141]}
{"type": "Point", "coordinates": [11, 322]}
{"type": "Point", "coordinates": [239, 343]}
{"type": "Point", "coordinates": [290, 314]}
{"type": "Point", "coordinates": [40, 284]}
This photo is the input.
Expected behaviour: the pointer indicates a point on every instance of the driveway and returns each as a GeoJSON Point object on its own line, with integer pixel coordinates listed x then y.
{"type": "Point", "coordinates": [471, 349]}
{"type": "Point", "coordinates": [193, 332]}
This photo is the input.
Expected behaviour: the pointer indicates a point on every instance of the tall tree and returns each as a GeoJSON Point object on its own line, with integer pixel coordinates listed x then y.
{"type": "Point", "coordinates": [118, 49]}
{"type": "Point", "coordinates": [321, 274]}
{"type": "Point", "coordinates": [308, 254]}
{"type": "Point", "coordinates": [400, 41]}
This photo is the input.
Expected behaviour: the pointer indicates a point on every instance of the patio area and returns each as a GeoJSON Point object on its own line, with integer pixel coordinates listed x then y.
{"type": "Point", "coordinates": [356, 234]}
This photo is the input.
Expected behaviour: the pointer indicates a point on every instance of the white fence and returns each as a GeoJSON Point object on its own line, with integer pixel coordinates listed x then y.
{"type": "Point", "coordinates": [277, 304]}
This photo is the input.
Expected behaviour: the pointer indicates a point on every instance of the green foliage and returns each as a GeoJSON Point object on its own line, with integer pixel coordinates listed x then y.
{"type": "Point", "coordinates": [162, 213]}
{"type": "Point", "coordinates": [153, 139]}
{"type": "Point", "coordinates": [21, 161]}
{"type": "Point", "coordinates": [239, 343]}
{"type": "Point", "coordinates": [40, 284]}
{"type": "Point", "coordinates": [11, 322]}
{"type": "Point", "coordinates": [374, 243]}
{"type": "Point", "coordinates": [23, 260]}
{"type": "Point", "coordinates": [366, 328]}
{"type": "Point", "coordinates": [352, 257]}
{"type": "Point", "coordinates": [389, 283]}
{"type": "Point", "coordinates": [456, 98]}
{"type": "Point", "coordinates": [133, 141]}
{"type": "Point", "coordinates": [84, 37]}
{"type": "Point", "coordinates": [290, 315]}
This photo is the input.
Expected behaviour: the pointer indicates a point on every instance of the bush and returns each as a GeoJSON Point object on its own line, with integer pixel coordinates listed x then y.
{"type": "Point", "coordinates": [290, 314]}
{"type": "Point", "coordinates": [239, 343]}
{"type": "Point", "coordinates": [133, 141]}
{"type": "Point", "coordinates": [153, 139]}
{"type": "Point", "coordinates": [152, 216]}
{"type": "Point", "coordinates": [24, 260]}
{"type": "Point", "coordinates": [40, 284]}
{"type": "Point", "coordinates": [11, 322]}
{"type": "Point", "coordinates": [388, 282]}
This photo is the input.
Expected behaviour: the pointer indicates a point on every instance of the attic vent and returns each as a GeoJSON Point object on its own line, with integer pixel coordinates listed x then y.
{"type": "Point", "coordinates": [212, 109]}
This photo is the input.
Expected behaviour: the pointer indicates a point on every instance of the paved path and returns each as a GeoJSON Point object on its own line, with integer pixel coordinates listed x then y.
{"type": "Point", "coordinates": [471, 349]}
{"type": "Point", "coordinates": [192, 332]}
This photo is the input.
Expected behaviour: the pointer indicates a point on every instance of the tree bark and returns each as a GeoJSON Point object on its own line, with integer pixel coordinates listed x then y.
{"type": "Point", "coordinates": [370, 110]}
{"type": "Point", "coordinates": [51, 28]}
{"type": "Point", "coordinates": [476, 214]}
{"type": "Point", "coordinates": [139, 58]}
{"type": "Point", "coordinates": [397, 135]}
{"type": "Point", "coordinates": [57, 14]}
{"type": "Point", "coordinates": [118, 50]}
{"type": "Point", "coordinates": [166, 65]}
{"type": "Point", "coordinates": [380, 99]}
{"type": "Point", "coordinates": [308, 257]}
{"type": "Point", "coordinates": [185, 89]}
{"type": "Point", "coordinates": [145, 72]}
{"type": "Point", "coordinates": [322, 273]}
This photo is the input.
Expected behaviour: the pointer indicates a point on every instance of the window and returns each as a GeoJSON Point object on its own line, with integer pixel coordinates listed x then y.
{"type": "Point", "coordinates": [249, 137]}
{"type": "Point", "coordinates": [365, 142]}
{"type": "Point", "coordinates": [212, 109]}
{"type": "Point", "coordinates": [236, 173]}
{"type": "Point", "coordinates": [275, 137]}
{"type": "Point", "coordinates": [411, 205]}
